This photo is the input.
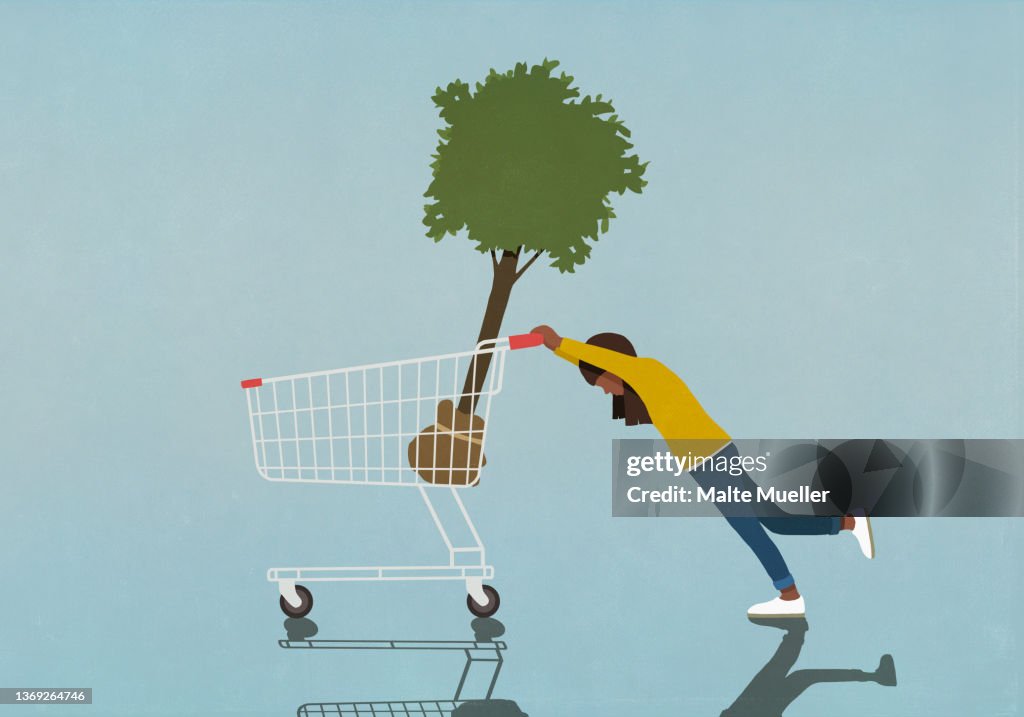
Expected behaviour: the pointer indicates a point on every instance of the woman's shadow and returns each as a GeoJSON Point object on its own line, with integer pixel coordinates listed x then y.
{"type": "Point", "coordinates": [774, 687]}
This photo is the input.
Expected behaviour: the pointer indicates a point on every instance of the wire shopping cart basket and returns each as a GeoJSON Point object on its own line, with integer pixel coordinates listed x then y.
{"type": "Point", "coordinates": [364, 425]}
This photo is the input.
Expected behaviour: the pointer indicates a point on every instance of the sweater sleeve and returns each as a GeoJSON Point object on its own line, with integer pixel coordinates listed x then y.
{"type": "Point", "coordinates": [622, 365]}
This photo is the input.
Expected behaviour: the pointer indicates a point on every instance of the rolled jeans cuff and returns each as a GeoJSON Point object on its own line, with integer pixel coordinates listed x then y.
{"type": "Point", "coordinates": [837, 524]}
{"type": "Point", "coordinates": [783, 583]}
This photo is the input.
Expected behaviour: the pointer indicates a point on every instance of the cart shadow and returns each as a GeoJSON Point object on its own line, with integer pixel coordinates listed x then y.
{"type": "Point", "coordinates": [301, 628]}
{"type": "Point", "coordinates": [775, 687]}
{"type": "Point", "coordinates": [484, 629]}
{"type": "Point", "coordinates": [482, 654]}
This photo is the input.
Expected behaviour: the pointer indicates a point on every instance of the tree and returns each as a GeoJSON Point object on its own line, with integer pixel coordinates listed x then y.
{"type": "Point", "coordinates": [526, 167]}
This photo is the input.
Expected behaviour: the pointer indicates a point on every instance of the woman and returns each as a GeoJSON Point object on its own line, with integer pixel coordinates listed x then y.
{"type": "Point", "coordinates": [645, 391]}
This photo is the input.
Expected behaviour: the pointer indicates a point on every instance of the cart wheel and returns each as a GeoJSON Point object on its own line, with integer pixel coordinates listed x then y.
{"type": "Point", "coordinates": [304, 607]}
{"type": "Point", "coordinates": [493, 603]}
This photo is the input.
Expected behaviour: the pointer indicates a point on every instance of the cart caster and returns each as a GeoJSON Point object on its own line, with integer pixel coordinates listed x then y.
{"type": "Point", "coordinates": [489, 607]}
{"type": "Point", "coordinates": [304, 606]}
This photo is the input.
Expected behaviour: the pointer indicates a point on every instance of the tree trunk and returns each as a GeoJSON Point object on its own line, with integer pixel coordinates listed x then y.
{"type": "Point", "coordinates": [501, 289]}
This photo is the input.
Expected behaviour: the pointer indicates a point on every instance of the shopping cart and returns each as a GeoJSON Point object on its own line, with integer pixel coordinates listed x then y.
{"type": "Point", "coordinates": [364, 426]}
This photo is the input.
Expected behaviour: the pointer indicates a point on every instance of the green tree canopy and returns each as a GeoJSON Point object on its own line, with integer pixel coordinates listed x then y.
{"type": "Point", "coordinates": [524, 163]}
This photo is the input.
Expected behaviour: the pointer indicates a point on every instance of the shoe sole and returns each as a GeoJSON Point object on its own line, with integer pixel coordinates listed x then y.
{"type": "Point", "coordinates": [862, 515]}
{"type": "Point", "coordinates": [774, 615]}
{"type": "Point", "coordinates": [871, 537]}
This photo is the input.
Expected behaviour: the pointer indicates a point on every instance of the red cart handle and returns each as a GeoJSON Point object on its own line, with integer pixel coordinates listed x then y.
{"type": "Point", "coordinates": [524, 341]}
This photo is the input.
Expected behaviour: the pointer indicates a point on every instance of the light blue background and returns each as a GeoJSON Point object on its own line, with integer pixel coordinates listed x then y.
{"type": "Point", "coordinates": [194, 193]}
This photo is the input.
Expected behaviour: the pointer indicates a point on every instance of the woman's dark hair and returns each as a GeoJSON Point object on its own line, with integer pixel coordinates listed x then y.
{"type": "Point", "coordinates": [627, 406]}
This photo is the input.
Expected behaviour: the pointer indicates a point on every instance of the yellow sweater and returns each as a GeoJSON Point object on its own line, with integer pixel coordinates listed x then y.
{"type": "Point", "coordinates": [675, 412]}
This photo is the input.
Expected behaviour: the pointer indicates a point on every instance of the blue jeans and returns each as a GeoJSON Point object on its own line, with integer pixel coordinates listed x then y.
{"type": "Point", "coordinates": [752, 529]}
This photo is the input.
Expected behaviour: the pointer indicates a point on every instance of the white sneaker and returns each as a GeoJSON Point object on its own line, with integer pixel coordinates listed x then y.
{"type": "Point", "coordinates": [862, 532]}
{"type": "Point", "coordinates": [778, 608]}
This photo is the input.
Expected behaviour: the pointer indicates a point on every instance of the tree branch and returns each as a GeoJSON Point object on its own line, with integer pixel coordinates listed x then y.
{"type": "Point", "coordinates": [494, 260]}
{"type": "Point", "coordinates": [527, 266]}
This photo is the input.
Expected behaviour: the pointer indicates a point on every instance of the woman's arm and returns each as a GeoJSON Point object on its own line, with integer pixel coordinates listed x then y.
{"type": "Point", "coordinates": [573, 351]}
